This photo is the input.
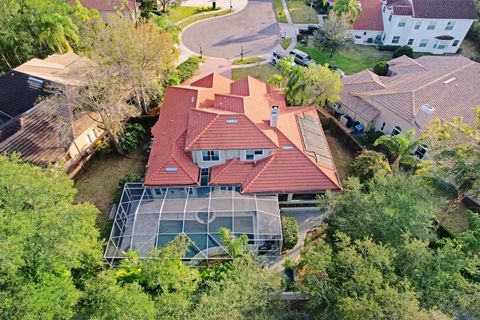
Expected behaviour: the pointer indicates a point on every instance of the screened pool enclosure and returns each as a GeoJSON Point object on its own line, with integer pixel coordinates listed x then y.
{"type": "Point", "coordinates": [147, 218]}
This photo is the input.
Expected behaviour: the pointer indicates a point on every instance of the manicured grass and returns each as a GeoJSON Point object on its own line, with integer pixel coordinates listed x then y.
{"type": "Point", "coordinates": [98, 182]}
{"type": "Point", "coordinates": [178, 13]}
{"type": "Point", "coordinates": [286, 43]}
{"type": "Point", "coordinates": [248, 60]}
{"type": "Point", "coordinates": [279, 11]}
{"type": "Point", "coordinates": [352, 59]}
{"type": "Point", "coordinates": [199, 17]}
{"type": "Point", "coordinates": [261, 72]}
{"type": "Point", "coordinates": [301, 12]}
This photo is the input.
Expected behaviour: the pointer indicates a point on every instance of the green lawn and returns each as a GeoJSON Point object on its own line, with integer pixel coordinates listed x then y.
{"type": "Point", "coordinates": [178, 13]}
{"type": "Point", "coordinates": [353, 59]}
{"type": "Point", "coordinates": [203, 16]}
{"type": "Point", "coordinates": [261, 72]}
{"type": "Point", "coordinates": [98, 182]}
{"type": "Point", "coordinates": [279, 11]}
{"type": "Point", "coordinates": [248, 60]}
{"type": "Point", "coordinates": [301, 12]}
{"type": "Point", "coordinates": [286, 43]}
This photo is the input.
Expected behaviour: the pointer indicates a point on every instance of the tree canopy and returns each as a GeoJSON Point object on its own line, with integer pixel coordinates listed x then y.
{"type": "Point", "coordinates": [335, 35]}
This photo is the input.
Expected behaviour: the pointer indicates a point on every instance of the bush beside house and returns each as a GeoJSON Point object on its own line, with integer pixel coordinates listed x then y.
{"type": "Point", "coordinates": [289, 231]}
{"type": "Point", "coordinates": [404, 50]}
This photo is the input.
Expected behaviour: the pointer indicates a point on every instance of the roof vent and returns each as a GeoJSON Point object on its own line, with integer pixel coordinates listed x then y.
{"type": "Point", "coordinates": [423, 115]}
{"type": "Point", "coordinates": [287, 147]}
{"type": "Point", "coordinates": [231, 121]}
{"type": "Point", "coordinates": [449, 80]}
{"type": "Point", "coordinates": [193, 99]}
{"type": "Point", "coordinates": [171, 169]}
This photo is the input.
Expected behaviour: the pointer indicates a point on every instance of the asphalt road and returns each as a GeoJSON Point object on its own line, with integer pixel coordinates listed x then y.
{"type": "Point", "coordinates": [255, 28]}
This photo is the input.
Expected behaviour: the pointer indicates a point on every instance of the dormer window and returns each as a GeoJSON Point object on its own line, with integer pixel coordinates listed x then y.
{"type": "Point", "coordinates": [211, 155]}
{"type": "Point", "coordinates": [252, 155]}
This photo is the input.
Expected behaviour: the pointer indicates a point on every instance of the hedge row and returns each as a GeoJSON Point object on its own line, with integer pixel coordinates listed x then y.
{"type": "Point", "coordinates": [289, 231]}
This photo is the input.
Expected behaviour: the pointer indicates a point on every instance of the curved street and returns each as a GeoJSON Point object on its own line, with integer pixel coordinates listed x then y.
{"type": "Point", "coordinates": [255, 28]}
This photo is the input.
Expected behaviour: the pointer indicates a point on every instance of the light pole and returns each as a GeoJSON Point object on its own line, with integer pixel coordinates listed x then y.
{"type": "Point", "coordinates": [230, 5]}
{"type": "Point", "coordinates": [241, 53]}
{"type": "Point", "coordinates": [201, 51]}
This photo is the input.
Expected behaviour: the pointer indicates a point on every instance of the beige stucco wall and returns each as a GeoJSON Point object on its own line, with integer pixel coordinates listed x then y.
{"type": "Point", "coordinates": [81, 143]}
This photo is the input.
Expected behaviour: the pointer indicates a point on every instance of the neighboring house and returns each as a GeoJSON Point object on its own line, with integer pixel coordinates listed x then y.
{"type": "Point", "coordinates": [109, 8]}
{"type": "Point", "coordinates": [30, 124]}
{"type": "Point", "coordinates": [415, 93]}
{"type": "Point", "coordinates": [217, 132]}
{"type": "Point", "coordinates": [436, 26]}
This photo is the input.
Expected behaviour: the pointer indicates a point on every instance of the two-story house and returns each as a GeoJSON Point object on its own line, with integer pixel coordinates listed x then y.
{"type": "Point", "coordinates": [219, 132]}
{"type": "Point", "coordinates": [413, 94]}
{"type": "Point", "coordinates": [435, 26]}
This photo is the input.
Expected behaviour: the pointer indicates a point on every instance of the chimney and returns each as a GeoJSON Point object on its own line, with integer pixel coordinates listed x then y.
{"type": "Point", "coordinates": [423, 115]}
{"type": "Point", "coordinates": [274, 117]}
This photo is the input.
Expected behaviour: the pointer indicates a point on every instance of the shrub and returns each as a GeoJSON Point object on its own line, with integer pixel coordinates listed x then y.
{"type": "Point", "coordinates": [388, 48]}
{"type": "Point", "coordinates": [381, 68]}
{"type": "Point", "coordinates": [404, 50]}
{"type": "Point", "coordinates": [132, 136]}
{"type": "Point", "coordinates": [184, 71]}
{"type": "Point", "coordinates": [289, 264]}
{"type": "Point", "coordinates": [476, 58]}
{"type": "Point", "coordinates": [290, 231]}
{"type": "Point", "coordinates": [373, 135]}
{"type": "Point", "coordinates": [207, 8]}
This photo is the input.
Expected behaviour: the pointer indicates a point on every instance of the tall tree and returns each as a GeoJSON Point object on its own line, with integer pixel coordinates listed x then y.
{"type": "Point", "coordinates": [315, 85]}
{"type": "Point", "coordinates": [142, 56]}
{"type": "Point", "coordinates": [55, 32]}
{"type": "Point", "coordinates": [385, 208]}
{"type": "Point", "coordinates": [45, 239]}
{"type": "Point", "coordinates": [454, 158]}
{"type": "Point", "coordinates": [168, 3]}
{"type": "Point", "coordinates": [335, 35]}
{"type": "Point", "coordinates": [401, 148]}
{"type": "Point", "coordinates": [351, 8]}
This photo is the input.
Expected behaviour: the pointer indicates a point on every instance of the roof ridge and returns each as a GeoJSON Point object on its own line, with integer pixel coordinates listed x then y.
{"type": "Point", "coordinates": [227, 164]}
{"type": "Point", "coordinates": [267, 163]}
{"type": "Point", "coordinates": [256, 127]}
{"type": "Point", "coordinates": [203, 130]}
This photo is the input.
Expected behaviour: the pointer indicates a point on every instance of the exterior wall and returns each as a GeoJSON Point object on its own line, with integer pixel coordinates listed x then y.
{"type": "Point", "coordinates": [224, 156]}
{"type": "Point", "coordinates": [81, 144]}
{"type": "Point", "coordinates": [362, 36]}
{"type": "Point", "coordinates": [392, 29]}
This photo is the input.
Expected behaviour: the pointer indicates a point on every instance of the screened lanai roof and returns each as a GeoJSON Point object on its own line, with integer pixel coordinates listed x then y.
{"type": "Point", "coordinates": [152, 217]}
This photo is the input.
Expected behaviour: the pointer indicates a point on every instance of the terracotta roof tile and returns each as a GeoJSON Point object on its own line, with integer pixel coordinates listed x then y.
{"type": "Point", "coordinates": [445, 9]}
{"type": "Point", "coordinates": [371, 16]}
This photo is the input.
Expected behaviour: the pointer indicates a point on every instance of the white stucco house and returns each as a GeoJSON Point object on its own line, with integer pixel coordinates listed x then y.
{"type": "Point", "coordinates": [435, 26]}
{"type": "Point", "coordinates": [414, 94]}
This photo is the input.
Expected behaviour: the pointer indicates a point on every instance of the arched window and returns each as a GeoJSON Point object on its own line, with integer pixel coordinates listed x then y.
{"type": "Point", "coordinates": [396, 130]}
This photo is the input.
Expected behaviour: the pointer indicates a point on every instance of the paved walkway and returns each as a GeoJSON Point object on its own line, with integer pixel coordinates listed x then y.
{"type": "Point", "coordinates": [307, 219]}
{"type": "Point", "coordinates": [223, 4]}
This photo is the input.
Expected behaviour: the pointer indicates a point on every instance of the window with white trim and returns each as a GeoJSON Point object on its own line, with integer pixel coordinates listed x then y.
{"type": "Point", "coordinates": [410, 42]}
{"type": "Point", "coordinates": [421, 151]}
{"type": "Point", "coordinates": [396, 130]}
{"type": "Point", "coordinates": [390, 18]}
{"type": "Point", "coordinates": [402, 22]}
{"type": "Point", "coordinates": [450, 25]}
{"type": "Point", "coordinates": [455, 43]}
{"type": "Point", "coordinates": [396, 39]}
{"type": "Point", "coordinates": [211, 155]}
{"type": "Point", "coordinates": [252, 155]}
{"type": "Point", "coordinates": [417, 25]}
{"type": "Point", "coordinates": [91, 136]}
{"type": "Point", "coordinates": [423, 43]}
{"type": "Point", "coordinates": [431, 25]}
{"type": "Point", "coordinates": [383, 126]}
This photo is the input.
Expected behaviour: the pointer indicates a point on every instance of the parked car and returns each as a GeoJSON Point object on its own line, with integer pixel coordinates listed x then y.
{"type": "Point", "coordinates": [304, 31]}
{"type": "Point", "coordinates": [276, 56]}
{"type": "Point", "coordinates": [312, 28]}
{"type": "Point", "coordinates": [301, 58]}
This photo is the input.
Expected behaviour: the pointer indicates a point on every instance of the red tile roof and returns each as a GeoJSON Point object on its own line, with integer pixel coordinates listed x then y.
{"type": "Point", "coordinates": [445, 9]}
{"type": "Point", "coordinates": [371, 16]}
{"type": "Point", "coordinates": [214, 113]}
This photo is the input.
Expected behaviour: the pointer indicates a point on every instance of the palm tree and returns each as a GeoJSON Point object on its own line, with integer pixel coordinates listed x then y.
{"type": "Point", "coordinates": [400, 147]}
{"type": "Point", "coordinates": [56, 31]}
{"type": "Point", "coordinates": [237, 247]}
{"type": "Point", "coordinates": [352, 8]}
{"type": "Point", "coordinates": [296, 85]}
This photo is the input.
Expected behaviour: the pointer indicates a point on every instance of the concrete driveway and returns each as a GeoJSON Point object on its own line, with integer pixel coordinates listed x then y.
{"type": "Point", "coordinates": [255, 28]}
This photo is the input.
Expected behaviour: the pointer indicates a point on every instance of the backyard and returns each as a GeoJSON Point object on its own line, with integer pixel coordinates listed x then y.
{"type": "Point", "coordinates": [301, 12]}
{"type": "Point", "coordinates": [98, 182]}
{"type": "Point", "coordinates": [352, 59]}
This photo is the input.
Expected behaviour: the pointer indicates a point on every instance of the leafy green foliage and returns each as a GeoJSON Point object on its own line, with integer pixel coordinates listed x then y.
{"type": "Point", "coordinates": [335, 35]}
{"type": "Point", "coordinates": [184, 71]}
{"type": "Point", "coordinates": [133, 135]}
{"type": "Point", "coordinates": [207, 8]}
{"type": "Point", "coordinates": [369, 164]}
{"type": "Point", "coordinates": [384, 208]}
{"type": "Point", "coordinates": [45, 238]}
{"type": "Point", "coordinates": [289, 231]}
{"type": "Point", "coordinates": [350, 8]}
{"type": "Point", "coordinates": [400, 147]}
{"type": "Point", "coordinates": [381, 68]}
{"type": "Point", "coordinates": [356, 280]}
{"type": "Point", "coordinates": [237, 247]}
{"type": "Point", "coordinates": [403, 51]}
{"type": "Point", "coordinates": [216, 273]}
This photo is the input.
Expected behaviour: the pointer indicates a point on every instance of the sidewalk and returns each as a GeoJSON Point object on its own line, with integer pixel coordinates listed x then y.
{"type": "Point", "coordinates": [223, 4]}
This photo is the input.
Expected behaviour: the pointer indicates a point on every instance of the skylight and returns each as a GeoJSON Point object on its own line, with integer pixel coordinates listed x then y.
{"type": "Point", "coordinates": [449, 80]}
{"type": "Point", "coordinates": [231, 121]}
{"type": "Point", "coordinates": [171, 169]}
{"type": "Point", "coordinates": [287, 147]}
